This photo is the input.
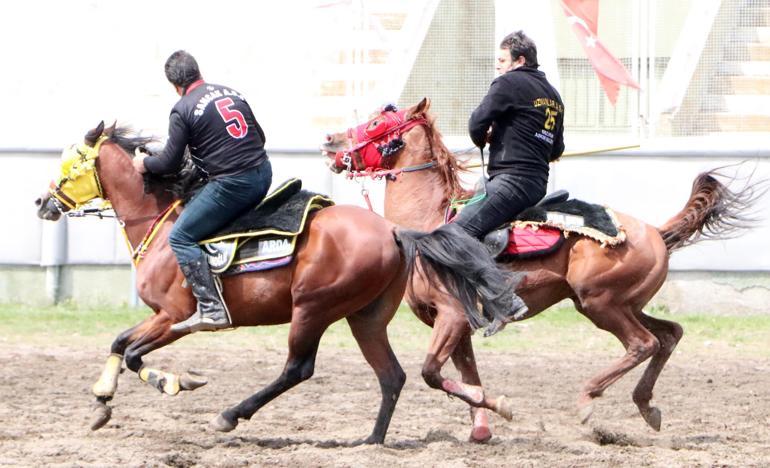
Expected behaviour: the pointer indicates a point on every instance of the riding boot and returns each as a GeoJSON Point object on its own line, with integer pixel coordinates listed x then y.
{"type": "Point", "coordinates": [518, 310]}
{"type": "Point", "coordinates": [211, 314]}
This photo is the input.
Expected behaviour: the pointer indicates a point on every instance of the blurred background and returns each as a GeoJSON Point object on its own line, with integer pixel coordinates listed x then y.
{"type": "Point", "coordinates": [311, 67]}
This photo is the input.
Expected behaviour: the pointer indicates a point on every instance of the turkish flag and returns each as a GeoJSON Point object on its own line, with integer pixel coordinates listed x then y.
{"type": "Point", "coordinates": [583, 15]}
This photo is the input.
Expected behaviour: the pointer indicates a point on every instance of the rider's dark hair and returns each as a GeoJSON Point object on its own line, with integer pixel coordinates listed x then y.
{"type": "Point", "coordinates": [519, 44]}
{"type": "Point", "coordinates": [182, 69]}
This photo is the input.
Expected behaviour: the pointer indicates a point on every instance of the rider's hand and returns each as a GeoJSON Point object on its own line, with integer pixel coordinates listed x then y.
{"type": "Point", "coordinates": [138, 161]}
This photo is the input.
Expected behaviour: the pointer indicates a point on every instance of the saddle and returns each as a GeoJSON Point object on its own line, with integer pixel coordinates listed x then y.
{"type": "Point", "coordinates": [541, 229]}
{"type": "Point", "coordinates": [264, 237]}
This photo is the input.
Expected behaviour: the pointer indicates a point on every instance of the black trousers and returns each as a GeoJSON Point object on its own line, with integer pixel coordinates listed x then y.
{"type": "Point", "coordinates": [507, 196]}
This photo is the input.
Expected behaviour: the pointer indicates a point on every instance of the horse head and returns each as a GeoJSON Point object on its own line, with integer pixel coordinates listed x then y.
{"type": "Point", "coordinates": [78, 181]}
{"type": "Point", "coordinates": [375, 144]}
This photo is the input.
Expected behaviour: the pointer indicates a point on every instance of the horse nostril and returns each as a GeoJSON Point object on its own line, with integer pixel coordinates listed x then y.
{"type": "Point", "coordinates": [38, 202]}
{"type": "Point", "coordinates": [329, 138]}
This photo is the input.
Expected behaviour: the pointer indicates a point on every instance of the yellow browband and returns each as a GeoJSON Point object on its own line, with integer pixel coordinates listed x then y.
{"type": "Point", "coordinates": [79, 182]}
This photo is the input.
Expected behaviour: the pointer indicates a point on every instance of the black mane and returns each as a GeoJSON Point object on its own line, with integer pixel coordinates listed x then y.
{"type": "Point", "coordinates": [181, 185]}
{"type": "Point", "coordinates": [129, 141]}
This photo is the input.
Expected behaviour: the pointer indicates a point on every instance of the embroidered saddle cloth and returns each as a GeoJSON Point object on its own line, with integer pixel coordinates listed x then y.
{"type": "Point", "coordinates": [265, 237]}
{"type": "Point", "coordinates": [576, 217]}
{"type": "Point", "coordinates": [541, 229]}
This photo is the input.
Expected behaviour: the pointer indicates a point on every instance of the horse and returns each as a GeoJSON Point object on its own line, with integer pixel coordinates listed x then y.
{"type": "Point", "coordinates": [348, 263]}
{"type": "Point", "coordinates": [609, 286]}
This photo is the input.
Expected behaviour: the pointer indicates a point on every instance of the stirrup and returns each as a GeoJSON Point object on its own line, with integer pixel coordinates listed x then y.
{"type": "Point", "coordinates": [498, 324]}
{"type": "Point", "coordinates": [197, 322]}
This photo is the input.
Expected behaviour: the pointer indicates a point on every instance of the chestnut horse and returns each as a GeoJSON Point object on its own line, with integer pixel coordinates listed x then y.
{"type": "Point", "coordinates": [349, 262]}
{"type": "Point", "coordinates": [610, 286]}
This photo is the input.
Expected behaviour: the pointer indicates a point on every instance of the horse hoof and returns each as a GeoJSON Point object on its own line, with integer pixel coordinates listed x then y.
{"type": "Point", "coordinates": [191, 380]}
{"type": "Point", "coordinates": [585, 413]}
{"type": "Point", "coordinates": [223, 424]}
{"type": "Point", "coordinates": [480, 435]}
{"type": "Point", "coordinates": [102, 414]}
{"type": "Point", "coordinates": [504, 408]}
{"type": "Point", "coordinates": [372, 440]}
{"type": "Point", "coordinates": [653, 418]}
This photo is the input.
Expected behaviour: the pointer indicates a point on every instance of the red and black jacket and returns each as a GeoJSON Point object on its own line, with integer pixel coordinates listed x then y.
{"type": "Point", "coordinates": [218, 125]}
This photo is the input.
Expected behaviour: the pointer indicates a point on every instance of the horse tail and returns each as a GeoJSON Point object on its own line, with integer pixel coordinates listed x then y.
{"type": "Point", "coordinates": [714, 211]}
{"type": "Point", "coordinates": [464, 267]}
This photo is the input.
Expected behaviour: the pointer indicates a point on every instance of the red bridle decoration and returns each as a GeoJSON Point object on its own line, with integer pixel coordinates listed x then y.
{"type": "Point", "coordinates": [374, 145]}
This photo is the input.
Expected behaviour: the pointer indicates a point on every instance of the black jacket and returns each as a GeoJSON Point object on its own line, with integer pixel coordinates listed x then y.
{"type": "Point", "coordinates": [527, 119]}
{"type": "Point", "coordinates": [220, 129]}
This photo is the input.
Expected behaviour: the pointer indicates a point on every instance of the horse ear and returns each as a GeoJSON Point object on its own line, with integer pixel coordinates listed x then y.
{"type": "Point", "coordinates": [421, 108]}
{"type": "Point", "coordinates": [94, 134]}
{"type": "Point", "coordinates": [109, 131]}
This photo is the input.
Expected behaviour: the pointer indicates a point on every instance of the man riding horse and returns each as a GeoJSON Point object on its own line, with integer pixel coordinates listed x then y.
{"type": "Point", "coordinates": [522, 117]}
{"type": "Point", "coordinates": [227, 145]}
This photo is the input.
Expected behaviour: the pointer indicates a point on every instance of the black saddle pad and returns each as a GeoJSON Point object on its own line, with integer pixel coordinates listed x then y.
{"type": "Point", "coordinates": [594, 216]}
{"type": "Point", "coordinates": [284, 210]}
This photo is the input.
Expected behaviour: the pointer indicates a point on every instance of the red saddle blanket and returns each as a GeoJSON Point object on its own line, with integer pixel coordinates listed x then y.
{"type": "Point", "coordinates": [529, 242]}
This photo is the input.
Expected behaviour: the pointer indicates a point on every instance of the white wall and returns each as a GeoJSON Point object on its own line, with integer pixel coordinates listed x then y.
{"type": "Point", "coordinates": [650, 188]}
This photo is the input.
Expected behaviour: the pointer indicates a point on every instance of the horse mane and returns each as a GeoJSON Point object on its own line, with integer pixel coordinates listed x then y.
{"type": "Point", "coordinates": [448, 165]}
{"type": "Point", "coordinates": [181, 185]}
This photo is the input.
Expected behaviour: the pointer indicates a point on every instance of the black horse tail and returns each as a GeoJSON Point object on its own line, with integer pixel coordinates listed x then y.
{"type": "Point", "coordinates": [464, 267]}
{"type": "Point", "coordinates": [714, 211]}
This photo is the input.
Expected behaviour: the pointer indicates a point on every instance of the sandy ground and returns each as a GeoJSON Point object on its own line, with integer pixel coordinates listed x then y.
{"type": "Point", "coordinates": [716, 411]}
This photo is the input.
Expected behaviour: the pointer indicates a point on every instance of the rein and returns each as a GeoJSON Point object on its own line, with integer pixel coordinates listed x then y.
{"type": "Point", "coordinates": [389, 174]}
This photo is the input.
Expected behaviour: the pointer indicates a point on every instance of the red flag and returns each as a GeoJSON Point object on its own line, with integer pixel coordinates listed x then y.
{"type": "Point", "coordinates": [583, 15]}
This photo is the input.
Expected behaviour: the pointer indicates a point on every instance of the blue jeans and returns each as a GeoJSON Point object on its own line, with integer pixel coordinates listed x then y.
{"type": "Point", "coordinates": [218, 203]}
{"type": "Point", "coordinates": [507, 196]}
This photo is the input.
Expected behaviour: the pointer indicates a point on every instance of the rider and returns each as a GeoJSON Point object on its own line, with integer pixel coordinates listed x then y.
{"type": "Point", "coordinates": [522, 116]}
{"type": "Point", "coordinates": [227, 145]}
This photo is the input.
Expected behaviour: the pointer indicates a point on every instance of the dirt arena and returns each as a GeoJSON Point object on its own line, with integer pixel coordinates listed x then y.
{"type": "Point", "coordinates": [716, 411]}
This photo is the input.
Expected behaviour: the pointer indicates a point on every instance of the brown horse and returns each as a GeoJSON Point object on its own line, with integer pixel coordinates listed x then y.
{"type": "Point", "coordinates": [610, 286]}
{"type": "Point", "coordinates": [349, 263]}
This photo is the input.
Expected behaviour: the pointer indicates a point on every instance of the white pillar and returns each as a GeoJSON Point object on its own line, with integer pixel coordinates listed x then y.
{"type": "Point", "coordinates": [53, 256]}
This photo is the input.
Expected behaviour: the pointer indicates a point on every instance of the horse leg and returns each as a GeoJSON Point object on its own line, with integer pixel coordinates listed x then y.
{"type": "Point", "coordinates": [134, 343]}
{"type": "Point", "coordinates": [304, 336]}
{"type": "Point", "coordinates": [639, 343]}
{"type": "Point", "coordinates": [369, 330]}
{"type": "Point", "coordinates": [465, 362]}
{"type": "Point", "coordinates": [104, 389]}
{"type": "Point", "coordinates": [668, 334]}
{"type": "Point", "coordinates": [449, 328]}
{"type": "Point", "coordinates": [151, 336]}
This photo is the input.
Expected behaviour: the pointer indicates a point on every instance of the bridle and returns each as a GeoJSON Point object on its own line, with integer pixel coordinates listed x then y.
{"type": "Point", "coordinates": [79, 184]}
{"type": "Point", "coordinates": [377, 141]}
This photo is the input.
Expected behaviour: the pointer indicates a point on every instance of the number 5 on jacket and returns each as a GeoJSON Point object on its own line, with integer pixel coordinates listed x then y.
{"type": "Point", "coordinates": [237, 129]}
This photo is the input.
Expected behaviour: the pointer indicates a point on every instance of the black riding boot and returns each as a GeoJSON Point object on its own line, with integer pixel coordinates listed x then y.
{"type": "Point", "coordinates": [518, 308]}
{"type": "Point", "coordinates": [211, 313]}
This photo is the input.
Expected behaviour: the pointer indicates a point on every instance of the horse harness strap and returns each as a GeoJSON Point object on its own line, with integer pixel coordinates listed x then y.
{"type": "Point", "coordinates": [374, 145]}
{"type": "Point", "coordinates": [390, 174]}
{"type": "Point", "coordinates": [138, 253]}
